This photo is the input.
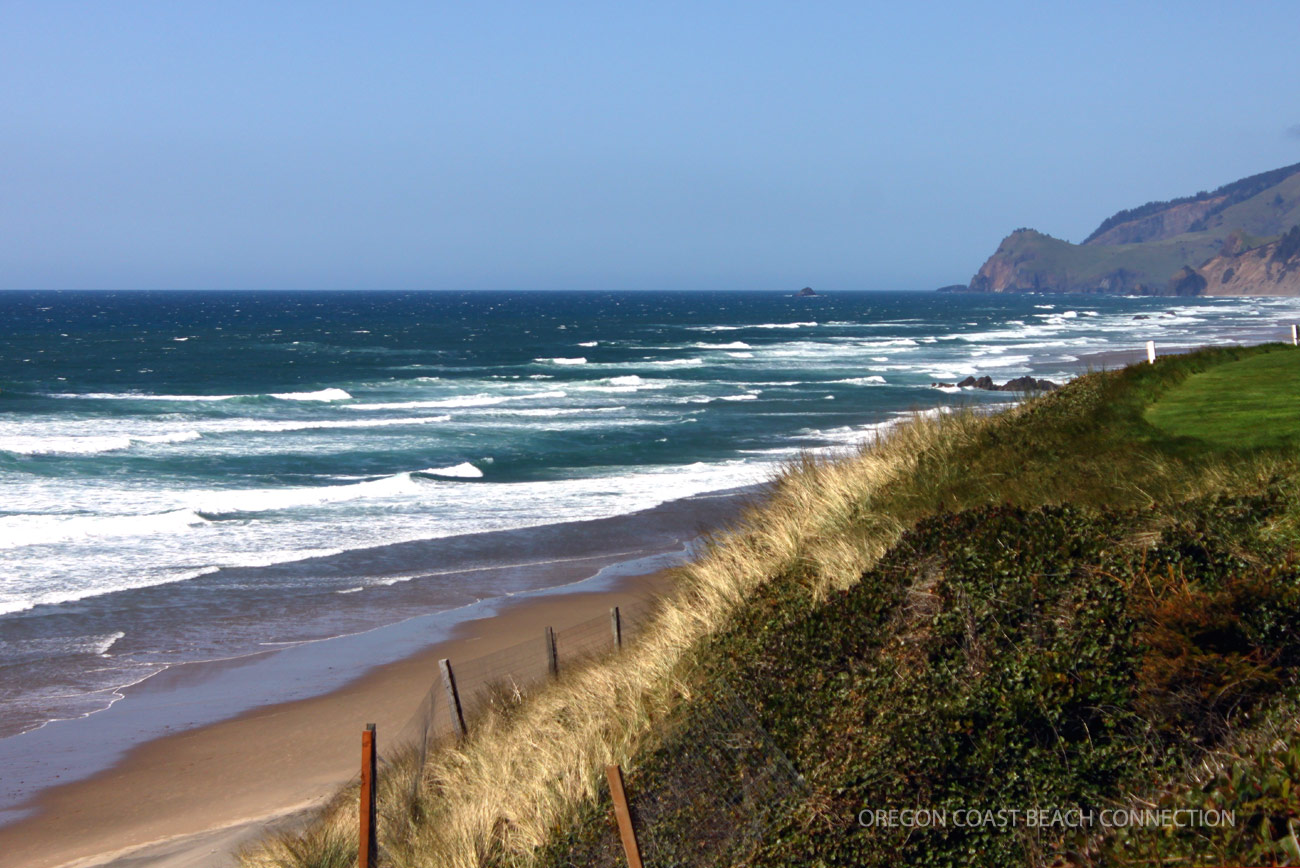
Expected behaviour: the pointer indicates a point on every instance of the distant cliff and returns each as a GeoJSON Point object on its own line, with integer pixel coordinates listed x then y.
{"type": "Point", "coordinates": [1269, 269]}
{"type": "Point", "coordinates": [1179, 247]}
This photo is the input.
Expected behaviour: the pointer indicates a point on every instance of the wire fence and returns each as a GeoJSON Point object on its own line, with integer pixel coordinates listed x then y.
{"type": "Point", "coordinates": [461, 691]}
{"type": "Point", "coordinates": [703, 795]}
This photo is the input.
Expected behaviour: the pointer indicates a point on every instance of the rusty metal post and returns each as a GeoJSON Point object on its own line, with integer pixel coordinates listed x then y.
{"type": "Point", "coordinates": [624, 816]}
{"type": "Point", "coordinates": [368, 844]}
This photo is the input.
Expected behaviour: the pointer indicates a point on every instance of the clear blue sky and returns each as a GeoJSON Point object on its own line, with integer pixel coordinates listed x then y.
{"type": "Point", "coordinates": [609, 145]}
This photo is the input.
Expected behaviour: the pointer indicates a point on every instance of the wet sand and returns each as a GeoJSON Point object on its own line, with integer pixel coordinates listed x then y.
{"type": "Point", "coordinates": [192, 798]}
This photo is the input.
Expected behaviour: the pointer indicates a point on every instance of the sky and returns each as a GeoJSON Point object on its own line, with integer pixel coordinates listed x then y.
{"type": "Point", "coordinates": [656, 145]}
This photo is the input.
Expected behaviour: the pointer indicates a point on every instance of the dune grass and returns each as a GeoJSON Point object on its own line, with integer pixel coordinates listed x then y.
{"type": "Point", "coordinates": [1248, 404]}
{"type": "Point", "coordinates": [527, 775]}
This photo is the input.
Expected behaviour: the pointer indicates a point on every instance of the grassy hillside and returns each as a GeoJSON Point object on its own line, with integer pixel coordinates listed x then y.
{"type": "Point", "coordinates": [1089, 613]}
{"type": "Point", "coordinates": [1064, 605]}
{"type": "Point", "coordinates": [1229, 196]}
{"type": "Point", "coordinates": [1259, 209]}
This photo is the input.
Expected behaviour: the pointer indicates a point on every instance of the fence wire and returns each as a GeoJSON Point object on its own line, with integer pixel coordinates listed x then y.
{"type": "Point", "coordinates": [705, 795]}
{"type": "Point", "coordinates": [492, 681]}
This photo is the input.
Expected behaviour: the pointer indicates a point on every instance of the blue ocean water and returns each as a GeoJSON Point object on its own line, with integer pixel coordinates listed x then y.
{"type": "Point", "coordinates": [190, 475]}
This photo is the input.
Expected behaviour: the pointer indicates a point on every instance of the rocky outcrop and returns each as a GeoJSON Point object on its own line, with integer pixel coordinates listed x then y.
{"type": "Point", "coordinates": [1269, 269]}
{"type": "Point", "coordinates": [1186, 282]}
{"type": "Point", "coordinates": [1031, 261]}
{"type": "Point", "coordinates": [1019, 384]}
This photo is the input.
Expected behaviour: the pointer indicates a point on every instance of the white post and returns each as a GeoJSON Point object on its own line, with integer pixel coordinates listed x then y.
{"type": "Point", "coordinates": [1295, 335]}
{"type": "Point", "coordinates": [1151, 352]}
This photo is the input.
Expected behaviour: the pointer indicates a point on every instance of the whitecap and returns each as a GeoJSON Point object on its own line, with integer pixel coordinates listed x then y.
{"type": "Point", "coordinates": [236, 426]}
{"type": "Point", "coordinates": [318, 395]}
{"type": "Point", "coordinates": [45, 528]}
{"type": "Point", "coordinates": [464, 470]}
{"type": "Point", "coordinates": [103, 644]}
{"type": "Point", "coordinates": [241, 500]}
{"type": "Point", "coordinates": [863, 381]}
{"type": "Point", "coordinates": [87, 444]}
{"type": "Point", "coordinates": [479, 400]}
{"type": "Point", "coordinates": [580, 360]}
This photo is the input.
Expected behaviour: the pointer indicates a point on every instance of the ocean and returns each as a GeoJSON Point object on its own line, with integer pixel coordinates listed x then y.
{"type": "Point", "coordinates": [192, 476]}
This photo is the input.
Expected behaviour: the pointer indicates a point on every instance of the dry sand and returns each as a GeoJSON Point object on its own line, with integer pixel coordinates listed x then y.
{"type": "Point", "coordinates": [193, 798]}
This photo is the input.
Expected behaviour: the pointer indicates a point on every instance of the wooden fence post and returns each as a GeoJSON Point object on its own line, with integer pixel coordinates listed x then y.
{"type": "Point", "coordinates": [624, 816]}
{"type": "Point", "coordinates": [368, 853]}
{"type": "Point", "coordinates": [453, 697]}
{"type": "Point", "coordinates": [616, 624]}
{"type": "Point", "coordinates": [552, 662]}
{"type": "Point", "coordinates": [1295, 335]}
{"type": "Point", "coordinates": [1151, 352]}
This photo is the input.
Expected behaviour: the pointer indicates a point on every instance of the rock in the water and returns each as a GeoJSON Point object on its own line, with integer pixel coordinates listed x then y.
{"type": "Point", "coordinates": [807, 292]}
{"type": "Point", "coordinates": [1019, 384]}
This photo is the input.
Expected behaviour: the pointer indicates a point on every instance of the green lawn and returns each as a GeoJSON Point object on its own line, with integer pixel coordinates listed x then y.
{"type": "Point", "coordinates": [1246, 404]}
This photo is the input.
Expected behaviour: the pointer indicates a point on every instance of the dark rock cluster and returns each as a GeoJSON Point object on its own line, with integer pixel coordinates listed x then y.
{"type": "Point", "coordinates": [1019, 384]}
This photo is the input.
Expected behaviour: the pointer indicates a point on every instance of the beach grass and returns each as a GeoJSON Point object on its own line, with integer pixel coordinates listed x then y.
{"type": "Point", "coordinates": [525, 782]}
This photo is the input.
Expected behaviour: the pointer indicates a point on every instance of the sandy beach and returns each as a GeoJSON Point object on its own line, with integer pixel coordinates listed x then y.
{"type": "Point", "coordinates": [191, 799]}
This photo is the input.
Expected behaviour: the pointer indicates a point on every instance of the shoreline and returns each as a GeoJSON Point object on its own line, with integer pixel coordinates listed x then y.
{"type": "Point", "coordinates": [149, 807]}
{"type": "Point", "coordinates": [306, 743]}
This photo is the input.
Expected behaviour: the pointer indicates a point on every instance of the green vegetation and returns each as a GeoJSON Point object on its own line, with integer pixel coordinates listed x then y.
{"type": "Point", "coordinates": [1088, 613]}
{"type": "Point", "coordinates": [1249, 404]}
{"type": "Point", "coordinates": [1060, 606]}
{"type": "Point", "coordinates": [1232, 194]}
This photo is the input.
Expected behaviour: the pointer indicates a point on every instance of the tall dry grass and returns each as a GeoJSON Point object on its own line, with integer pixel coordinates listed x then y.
{"type": "Point", "coordinates": [497, 796]}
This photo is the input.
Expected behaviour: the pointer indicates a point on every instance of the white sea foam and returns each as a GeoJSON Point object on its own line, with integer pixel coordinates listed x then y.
{"type": "Point", "coordinates": [318, 395]}
{"type": "Point", "coordinates": [463, 401]}
{"type": "Point", "coordinates": [588, 343]}
{"type": "Point", "coordinates": [88, 444]}
{"type": "Point", "coordinates": [228, 502]}
{"type": "Point", "coordinates": [29, 529]}
{"type": "Point", "coordinates": [888, 343]}
{"type": "Point", "coordinates": [580, 360]}
{"type": "Point", "coordinates": [734, 345]}
{"type": "Point", "coordinates": [268, 425]}
{"type": "Point", "coordinates": [464, 470]}
{"type": "Point", "coordinates": [741, 355]}
{"type": "Point", "coordinates": [873, 380]}
{"type": "Point", "coordinates": [106, 642]}
{"type": "Point", "coordinates": [675, 363]}
{"type": "Point", "coordinates": [139, 396]}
